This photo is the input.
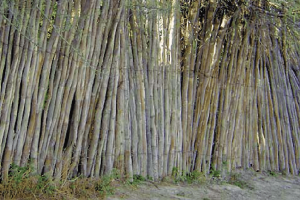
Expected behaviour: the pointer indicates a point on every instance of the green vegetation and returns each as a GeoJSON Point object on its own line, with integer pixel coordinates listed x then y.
{"type": "Point", "coordinates": [137, 179]}
{"type": "Point", "coordinates": [23, 183]}
{"type": "Point", "coordinates": [188, 177]}
{"type": "Point", "coordinates": [236, 179]}
{"type": "Point", "coordinates": [272, 173]}
{"type": "Point", "coordinates": [215, 173]}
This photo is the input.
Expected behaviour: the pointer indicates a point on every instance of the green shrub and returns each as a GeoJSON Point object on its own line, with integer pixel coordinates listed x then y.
{"type": "Point", "coordinates": [215, 173]}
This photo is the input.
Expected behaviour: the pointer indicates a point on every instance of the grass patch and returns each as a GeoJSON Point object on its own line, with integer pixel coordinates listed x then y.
{"type": "Point", "coordinates": [24, 184]}
{"type": "Point", "coordinates": [136, 180]}
{"type": "Point", "coordinates": [235, 179]}
{"type": "Point", "coordinates": [272, 173]}
{"type": "Point", "coordinates": [215, 173]}
{"type": "Point", "coordinates": [188, 177]}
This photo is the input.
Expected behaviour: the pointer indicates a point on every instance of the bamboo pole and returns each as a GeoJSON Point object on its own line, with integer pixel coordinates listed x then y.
{"type": "Point", "coordinates": [147, 87]}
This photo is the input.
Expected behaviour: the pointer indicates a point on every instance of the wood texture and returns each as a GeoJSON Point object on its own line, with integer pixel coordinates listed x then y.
{"type": "Point", "coordinates": [147, 87]}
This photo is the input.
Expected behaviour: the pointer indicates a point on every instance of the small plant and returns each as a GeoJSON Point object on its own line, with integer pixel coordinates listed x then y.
{"type": "Point", "coordinates": [215, 173]}
{"type": "Point", "coordinates": [272, 173]}
{"type": "Point", "coordinates": [195, 177]}
{"type": "Point", "coordinates": [175, 172]}
{"type": "Point", "coordinates": [17, 173]}
{"type": "Point", "coordinates": [22, 183]}
{"type": "Point", "coordinates": [104, 185]}
{"type": "Point", "coordinates": [137, 179]}
{"type": "Point", "coordinates": [235, 179]}
{"type": "Point", "coordinates": [177, 175]}
{"type": "Point", "coordinates": [149, 178]}
{"type": "Point", "coordinates": [115, 174]}
{"type": "Point", "coordinates": [45, 184]}
{"type": "Point", "coordinates": [189, 177]}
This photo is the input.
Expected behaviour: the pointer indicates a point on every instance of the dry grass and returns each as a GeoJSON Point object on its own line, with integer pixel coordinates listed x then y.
{"type": "Point", "coordinates": [22, 184]}
{"type": "Point", "coordinates": [31, 188]}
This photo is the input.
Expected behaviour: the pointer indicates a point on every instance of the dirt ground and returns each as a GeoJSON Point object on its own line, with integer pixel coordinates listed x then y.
{"type": "Point", "coordinates": [256, 186]}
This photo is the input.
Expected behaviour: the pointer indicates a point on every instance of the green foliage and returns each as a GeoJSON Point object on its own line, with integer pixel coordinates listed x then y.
{"type": "Point", "coordinates": [137, 179]}
{"type": "Point", "coordinates": [195, 177]}
{"type": "Point", "coordinates": [272, 173]}
{"type": "Point", "coordinates": [104, 186]}
{"type": "Point", "coordinates": [175, 172]}
{"type": "Point", "coordinates": [215, 173]}
{"type": "Point", "coordinates": [45, 184]}
{"type": "Point", "coordinates": [22, 181]}
{"type": "Point", "coordinates": [188, 177]}
{"type": "Point", "coordinates": [235, 179]}
{"type": "Point", "coordinates": [177, 175]}
{"type": "Point", "coordinates": [18, 174]}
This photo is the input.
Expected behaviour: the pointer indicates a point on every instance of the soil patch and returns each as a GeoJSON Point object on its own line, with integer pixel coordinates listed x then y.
{"type": "Point", "coordinates": [240, 186]}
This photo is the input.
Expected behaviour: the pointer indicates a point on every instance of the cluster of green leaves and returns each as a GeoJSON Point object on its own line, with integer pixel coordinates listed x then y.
{"type": "Point", "coordinates": [104, 186]}
{"type": "Point", "coordinates": [187, 177]}
{"type": "Point", "coordinates": [236, 179]}
{"type": "Point", "coordinates": [272, 173]}
{"type": "Point", "coordinates": [17, 173]}
{"type": "Point", "coordinates": [215, 173]}
{"type": "Point", "coordinates": [138, 179]}
{"type": "Point", "coordinates": [23, 181]}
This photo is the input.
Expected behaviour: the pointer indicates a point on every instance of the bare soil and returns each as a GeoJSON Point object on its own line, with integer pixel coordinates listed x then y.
{"type": "Point", "coordinates": [248, 185]}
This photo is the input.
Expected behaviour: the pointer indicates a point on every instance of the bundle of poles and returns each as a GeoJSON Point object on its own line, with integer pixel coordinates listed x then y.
{"type": "Point", "coordinates": [148, 86]}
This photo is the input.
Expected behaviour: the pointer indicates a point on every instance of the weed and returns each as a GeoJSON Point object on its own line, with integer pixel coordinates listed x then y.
{"type": "Point", "coordinates": [45, 184]}
{"type": "Point", "coordinates": [149, 178]}
{"type": "Point", "coordinates": [104, 186]}
{"type": "Point", "coordinates": [215, 173]}
{"type": "Point", "coordinates": [195, 177]}
{"type": "Point", "coordinates": [115, 174]}
{"type": "Point", "coordinates": [137, 179]}
{"type": "Point", "coordinates": [175, 172]}
{"type": "Point", "coordinates": [17, 173]}
{"type": "Point", "coordinates": [177, 175]}
{"type": "Point", "coordinates": [188, 177]}
{"type": "Point", "coordinates": [272, 173]}
{"type": "Point", "coordinates": [235, 179]}
{"type": "Point", "coordinates": [22, 183]}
